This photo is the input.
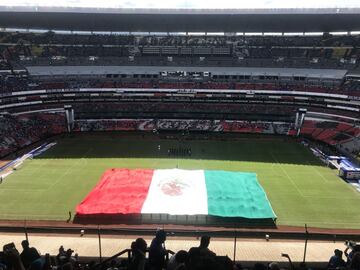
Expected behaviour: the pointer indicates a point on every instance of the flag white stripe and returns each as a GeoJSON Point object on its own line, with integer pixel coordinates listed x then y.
{"type": "Point", "coordinates": [177, 192]}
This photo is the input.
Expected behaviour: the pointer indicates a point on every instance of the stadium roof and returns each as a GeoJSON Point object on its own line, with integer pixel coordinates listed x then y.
{"type": "Point", "coordinates": [181, 20]}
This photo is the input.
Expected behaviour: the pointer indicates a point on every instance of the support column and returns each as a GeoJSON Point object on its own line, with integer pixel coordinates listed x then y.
{"type": "Point", "coordinates": [299, 120]}
{"type": "Point", "coordinates": [69, 113]}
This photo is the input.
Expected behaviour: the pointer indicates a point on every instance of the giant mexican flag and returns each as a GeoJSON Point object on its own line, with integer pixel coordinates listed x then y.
{"type": "Point", "coordinates": [177, 192]}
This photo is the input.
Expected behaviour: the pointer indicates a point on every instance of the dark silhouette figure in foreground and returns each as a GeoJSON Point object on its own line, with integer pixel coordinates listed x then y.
{"type": "Point", "coordinates": [157, 251]}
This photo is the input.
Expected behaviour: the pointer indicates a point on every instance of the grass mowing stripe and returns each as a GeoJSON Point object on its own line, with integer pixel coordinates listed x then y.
{"type": "Point", "coordinates": [287, 175]}
{"type": "Point", "coordinates": [70, 169]}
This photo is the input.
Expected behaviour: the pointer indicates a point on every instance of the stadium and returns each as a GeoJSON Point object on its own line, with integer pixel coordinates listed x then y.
{"type": "Point", "coordinates": [119, 124]}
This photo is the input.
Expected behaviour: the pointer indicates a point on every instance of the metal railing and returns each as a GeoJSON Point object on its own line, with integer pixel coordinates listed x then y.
{"type": "Point", "coordinates": [233, 245]}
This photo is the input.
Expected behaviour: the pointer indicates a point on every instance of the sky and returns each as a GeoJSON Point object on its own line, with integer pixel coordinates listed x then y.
{"type": "Point", "coordinates": [197, 4]}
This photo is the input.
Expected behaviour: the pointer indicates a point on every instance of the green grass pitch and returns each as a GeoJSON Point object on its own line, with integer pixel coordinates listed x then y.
{"type": "Point", "coordinates": [299, 187]}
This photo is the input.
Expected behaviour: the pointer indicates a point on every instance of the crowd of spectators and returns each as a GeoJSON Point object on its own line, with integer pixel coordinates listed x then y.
{"type": "Point", "coordinates": [18, 48]}
{"type": "Point", "coordinates": [229, 84]}
{"type": "Point", "coordinates": [199, 60]}
{"type": "Point", "coordinates": [177, 40]}
{"type": "Point", "coordinates": [326, 40]}
{"type": "Point", "coordinates": [186, 125]}
{"type": "Point", "coordinates": [31, 259]}
{"type": "Point", "coordinates": [330, 132]}
{"type": "Point", "coordinates": [25, 46]}
{"type": "Point", "coordinates": [169, 108]}
{"type": "Point", "coordinates": [352, 257]}
{"type": "Point", "coordinates": [157, 257]}
{"type": "Point", "coordinates": [103, 110]}
{"type": "Point", "coordinates": [10, 83]}
{"type": "Point", "coordinates": [17, 132]}
{"type": "Point", "coordinates": [14, 83]}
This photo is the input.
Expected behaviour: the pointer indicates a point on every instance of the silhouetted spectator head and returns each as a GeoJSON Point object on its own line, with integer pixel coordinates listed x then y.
{"type": "Point", "coordinates": [61, 250]}
{"type": "Point", "coordinates": [336, 260]}
{"type": "Point", "coordinates": [274, 266]}
{"type": "Point", "coordinates": [181, 256]}
{"type": "Point", "coordinates": [194, 252]}
{"type": "Point", "coordinates": [29, 255]}
{"type": "Point", "coordinates": [25, 244]}
{"type": "Point", "coordinates": [161, 236]}
{"type": "Point", "coordinates": [204, 241]}
{"type": "Point", "coordinates": [69, 252]}
{"type": "Point", "coordinates": [140, 244]}
{"type": "Point", "coordinates": [338, 253]}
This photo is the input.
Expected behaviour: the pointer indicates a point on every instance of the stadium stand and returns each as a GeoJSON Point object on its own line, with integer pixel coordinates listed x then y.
{"type": "Point", "coordinates": [25, 129]}
{"type": "Point", "coordinates": [52, 83]}
{"type": "Point", "coordinates": [328, 50]}
{"type": "Point", "coordinates": [329, 132]}
{"type": "Point", "coordinates": [28, 80]}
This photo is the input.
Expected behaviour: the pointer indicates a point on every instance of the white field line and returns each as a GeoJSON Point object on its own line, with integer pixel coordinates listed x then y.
{"type": "Point", "coordinates": [287, 175]}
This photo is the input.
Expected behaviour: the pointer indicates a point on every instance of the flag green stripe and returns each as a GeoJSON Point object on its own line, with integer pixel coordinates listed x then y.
{"type": "Point", "coordinates": [236, 194]}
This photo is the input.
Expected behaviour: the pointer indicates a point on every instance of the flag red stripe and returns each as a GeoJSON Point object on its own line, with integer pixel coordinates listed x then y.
{"type": "Point", "coordinates": [120, 191]}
